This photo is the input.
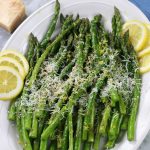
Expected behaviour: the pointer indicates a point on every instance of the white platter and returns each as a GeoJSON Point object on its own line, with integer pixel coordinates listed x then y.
{"type": "Point", "coordinates": [38, 23]}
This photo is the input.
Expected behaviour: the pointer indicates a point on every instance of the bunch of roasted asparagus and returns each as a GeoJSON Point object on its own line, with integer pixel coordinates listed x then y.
{"type": "Point", "coordinates": [82, 85]}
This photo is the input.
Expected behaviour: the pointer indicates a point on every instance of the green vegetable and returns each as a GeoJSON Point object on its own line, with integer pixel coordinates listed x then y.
{"type": "Point", "coordinates": [65, 138]}
{"type": "Point", "coordinates": [94, 92]}
{"type": "Point", "coordinates": [52, 26]}
{"type": "Point", "coordinates": [53, 145]}
{"type": "Point", "coordinates": [34, 132]}
{"type": "Point", "coordinates": [46, 52]}
{"type": "Point", "coordinates": [105, 119]}
{"type": "Point", "coordinates": [12, 112]}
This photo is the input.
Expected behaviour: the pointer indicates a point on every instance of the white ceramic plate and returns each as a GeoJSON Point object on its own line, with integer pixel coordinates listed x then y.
{"type": "Point", "coordinates": [38, 23]}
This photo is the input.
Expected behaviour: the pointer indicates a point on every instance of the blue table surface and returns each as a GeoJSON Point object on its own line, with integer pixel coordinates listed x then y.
{"type": "Point", "coordinates": [144, 5]}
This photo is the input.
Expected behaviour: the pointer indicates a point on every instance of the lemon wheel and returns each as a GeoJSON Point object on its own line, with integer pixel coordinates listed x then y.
{"type": "Point", "coordinates": [148, 42]}
{"type": "Point", "coordinates": [138, 34]}
{"type": "Point", "coordinates": [144, 52]}
{"type": "Point", "coordinates": [145, 64]}
{"type": "Point", "coordinates": [10, 62]}
{"type": "Point", "coordinates": [11, 83]}
{"type": "Point", "coordinates": [18, 56]}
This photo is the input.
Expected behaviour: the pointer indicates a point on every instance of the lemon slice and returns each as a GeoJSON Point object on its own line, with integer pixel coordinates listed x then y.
{"type": "Point", "coordinates": [138, 33]}
{"type": "Point", "coordinates": [18, 56]}
{"type": "Point", "coordinates": [148, 42]}
{"type": "Point", "coordinates": [11, 62]}
{"type": "Point", "coordinates": [11, 83]}
{"type": "Point", "coordinates": [145, 64]}
{"type": "Point", "coordinates": [144, 52]}
{"type": "Point", "coordinates": [148, 25]}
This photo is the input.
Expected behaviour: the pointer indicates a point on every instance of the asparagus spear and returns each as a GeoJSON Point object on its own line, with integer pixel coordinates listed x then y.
{"type": "Point", "coordinates": [91, 126]}
{"type": "Point", "coordinates": [78, 138]}
{"type": "Point", "coordinates": [134, 108]}
{"type": "Point", "coordinates": [113, 126]}
{"type": "Point", "coordinates": [65, 138]}
{"type": "Point", "coordinates": [62, 97]}
{"type": "Point", "coordinates": [36, 142]}
{"type": "Point", "coordinates": [26, 140]}
{"type": "Point", "coordinates": [43, 145]}
{"type": "Point", "coordinates": [52, 25]}
{"type": "Point", "coordinates": [62, 19]}
{"type": "Point", "coordinates": [122, 105]}
{"type": "Point", "coordinates": [97, 135]}
{"type": "Point", "coordinates": [53, 145]}
{"type": "Point", "coordinates": [33, 132]}
{"type": "Point", "coordinates": [67, 22]}
{"type": "Point", "coordinates": [117, 27]}
{"type": "Point", "coordinates": [89, 119]}
{"type": "Point", "coordinates": [81, 61]}
{"type": "Point", "coordinates": [111, 142]}
{"type": "Point", "coordinates": [79, 67]}
{"type": "Point", "coordinates": [87, 146]}
{"type": "Point", "coordinates": [46, 52]}
{"type": "Point", "coordinates": [30, 57]}
{"type": "Point", "coordinates": [134, 69]}
{"type": "Point", "coordinates": [29, 117]}
{"type": "Point", "coordinates": [53, 117]}
{"type": "Point", "coordinates": [12, 111]}
{"type": "Point", "coordinates": [104, 122]}
{"type": "Point", "coordinates": [31, 47]}
{"type": "Point", "coordinates": [60, 135]}
{"type": "Point", "coordinates": [114, 97]}
{"type": "Point", "coordinates": [90, 114]}
{"type": "Point", "coordinates": [59, 62]}
{"type": "Point", "coordinates": [20, 110]}
{"type": "Point", "coordinates": [95, 46]}
{"type": "Point", "coordinates": [94, 34]}
{"type": "Point", "coordinates": [73, 99]}
{"type": "Point", "coordinates": [18, 122]}
{"type": "Point", "coordinates": [51, 128]}
{"type": "Point", "coordinates": [118, 21]}
{"type": "Point", "coordinates": [42, 103]}
{"type": "Point", "coordinates": [67, 69]}
{"type": "Point", "coordinates": [124, 124]}
{"type": "Point", "coordinates": [86, 49]}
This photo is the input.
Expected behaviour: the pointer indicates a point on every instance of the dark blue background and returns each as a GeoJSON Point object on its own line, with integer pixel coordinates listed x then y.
{"type": "Point", "coordinates": [144, 5]}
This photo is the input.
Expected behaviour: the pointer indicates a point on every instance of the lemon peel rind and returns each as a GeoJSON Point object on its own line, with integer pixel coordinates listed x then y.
{"type": "Point", "coordinates": [18, 54]}
{"type": "Point", "coordinates": [16, 63]}
{"type": "Point", "coordinates": [14, 93]}
{"type": "Point", "coordinates": [144, 52]}
{"type": "Point", "coordinates": [144, 36]}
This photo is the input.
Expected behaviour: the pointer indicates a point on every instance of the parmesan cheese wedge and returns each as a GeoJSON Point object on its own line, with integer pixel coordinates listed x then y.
{"type": "Point", "coordinates": [12, 13]}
